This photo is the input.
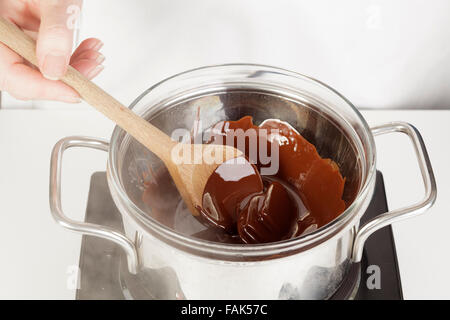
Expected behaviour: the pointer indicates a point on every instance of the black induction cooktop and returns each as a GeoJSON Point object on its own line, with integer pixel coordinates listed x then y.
{"type": "Point", "coordinates": [103, 275]}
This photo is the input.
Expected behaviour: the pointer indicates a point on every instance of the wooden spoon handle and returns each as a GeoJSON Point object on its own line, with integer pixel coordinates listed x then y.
{"type": "Point", "coordinates": [150, 136]}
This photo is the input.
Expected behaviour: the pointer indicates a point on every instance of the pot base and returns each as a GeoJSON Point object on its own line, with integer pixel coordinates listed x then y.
{"type": "Point", "coordinates": [103, 272]}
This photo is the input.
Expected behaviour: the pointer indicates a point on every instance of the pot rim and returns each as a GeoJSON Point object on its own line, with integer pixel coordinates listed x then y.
{"type": "Point", "coordinates": [311, 239]}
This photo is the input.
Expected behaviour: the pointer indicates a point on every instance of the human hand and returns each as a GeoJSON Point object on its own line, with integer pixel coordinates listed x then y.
{"type": "Point", "coordinates": [46, 21]}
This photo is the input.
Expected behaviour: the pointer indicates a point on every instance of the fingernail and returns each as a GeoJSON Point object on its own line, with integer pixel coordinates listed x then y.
{"type": "Point", "coordinates": [95, 72]}
{"type": "Point", "coordinates": [54, 67]}
{"type": "Point", "coordinates": [98, 46]}
{"type": "Point", "coordinates": [100, 59]}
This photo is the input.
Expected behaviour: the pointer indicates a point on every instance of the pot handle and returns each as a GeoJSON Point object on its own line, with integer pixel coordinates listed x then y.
{"type": "Point", "coordinates": [409, 211]}
{"type": "Point", "coordinates": [83, 227]}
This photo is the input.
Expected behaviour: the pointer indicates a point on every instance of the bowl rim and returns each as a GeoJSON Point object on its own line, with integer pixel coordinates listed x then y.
{"type": "Point", "coordinates": [127, 206]}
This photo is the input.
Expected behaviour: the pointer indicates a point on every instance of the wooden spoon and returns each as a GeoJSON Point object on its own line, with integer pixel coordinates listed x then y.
{"type": "Point", "coordinates": [190, 178]}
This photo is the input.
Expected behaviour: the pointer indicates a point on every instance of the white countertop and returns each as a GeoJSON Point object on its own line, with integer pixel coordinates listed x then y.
{"type": "Point", "coordinates": [38, 257]}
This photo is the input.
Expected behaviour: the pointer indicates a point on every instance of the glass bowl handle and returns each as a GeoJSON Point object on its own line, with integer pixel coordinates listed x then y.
{"type": "Point", "coordinates": [82, 227]}
{"type": "Point", "coordinates": [409, 211]}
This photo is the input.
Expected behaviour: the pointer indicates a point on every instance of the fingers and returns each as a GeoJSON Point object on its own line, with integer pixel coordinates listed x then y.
{"type": "Point", "coordinates": [54, 44]}
{"type": "Point", "coordinates": [87, 59]}
{"type": "Point", "coordinates": [92, 45]}
{"type": "Point", "coordinates": [21, 13]}
{"type": "Point", "coordinates": [89, 55]}
{"type": "Point", "coordinates": [89, 68]}
{"type": "Point", "coordinates": [88, 44]}
{"type": "Point", "coordinates": [26, 83]}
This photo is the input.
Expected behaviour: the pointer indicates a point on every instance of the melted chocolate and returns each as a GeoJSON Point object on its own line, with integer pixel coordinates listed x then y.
{"type": "Point", "coordinates": [230, 184]}
{"type": "Point", "coordinates": [317, 180]}
{"type": "Point", "coordinates": [269, 216]}
{"type": "Point", "coordinates": [236, 200]}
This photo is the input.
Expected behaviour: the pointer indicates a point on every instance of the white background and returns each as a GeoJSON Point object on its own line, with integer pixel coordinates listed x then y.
{"type": "Point", "coordinates": [378, 53]}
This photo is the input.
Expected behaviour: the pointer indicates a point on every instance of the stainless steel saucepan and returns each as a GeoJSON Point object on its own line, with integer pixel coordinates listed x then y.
{"type": "Point", "coordinates": [309, 267]}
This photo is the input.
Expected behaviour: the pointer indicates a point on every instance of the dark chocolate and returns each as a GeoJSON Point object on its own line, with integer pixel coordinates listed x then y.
{"type": "Point", "coordinates": [236, 200]}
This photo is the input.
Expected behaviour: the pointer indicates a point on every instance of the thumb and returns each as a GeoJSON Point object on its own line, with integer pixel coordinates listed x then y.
{"type": "Point", "coordinates": [55, 39]}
